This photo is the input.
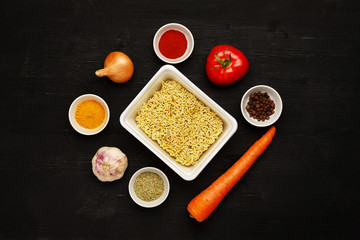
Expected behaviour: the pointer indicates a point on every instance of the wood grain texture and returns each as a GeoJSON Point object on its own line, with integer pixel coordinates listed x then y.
{"type": "Point", "coordinates": [305, 186]}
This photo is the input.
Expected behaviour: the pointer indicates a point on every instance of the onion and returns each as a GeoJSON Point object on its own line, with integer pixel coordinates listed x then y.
{"type": "Point", "coordinates": [118, 67]}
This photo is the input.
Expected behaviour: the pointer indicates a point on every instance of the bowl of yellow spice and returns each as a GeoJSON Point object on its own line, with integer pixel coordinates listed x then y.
{"type": "Point", "coordinates": [149, 187]}
{"type": "Point", "coordinates": [89, 114]}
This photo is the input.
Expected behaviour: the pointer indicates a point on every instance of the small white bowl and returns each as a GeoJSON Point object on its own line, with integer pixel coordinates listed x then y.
{"type": "Point", "coordinates": [273, 94]}
{"type": "Point", "coordinates": [180, 28]}
{"type": "Point", "coordinates": [72, 111]}
{"type": "Point", "coordinates": [156, 202]}
{"type": "Point", "coordinates": [127, 120]}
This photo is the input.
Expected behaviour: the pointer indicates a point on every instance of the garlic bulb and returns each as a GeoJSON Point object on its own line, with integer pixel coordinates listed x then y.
{"type": "Point", "coordinates": [109, 164]}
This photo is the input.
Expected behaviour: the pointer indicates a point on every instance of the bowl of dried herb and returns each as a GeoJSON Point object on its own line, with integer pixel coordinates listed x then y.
{"type": "Point", "coordinates": [149, 187]}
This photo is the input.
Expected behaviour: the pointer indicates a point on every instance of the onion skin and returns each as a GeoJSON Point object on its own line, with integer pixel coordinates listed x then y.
{"type": "Point", "coordinates": [118, 67]}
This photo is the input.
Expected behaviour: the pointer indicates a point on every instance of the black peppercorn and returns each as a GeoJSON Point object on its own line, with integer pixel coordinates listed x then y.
{"type": "Point", "coordinates": [260, 106]}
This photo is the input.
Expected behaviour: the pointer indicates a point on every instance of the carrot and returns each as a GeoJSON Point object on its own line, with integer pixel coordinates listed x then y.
{"type": "Point", "coordinates": [205, 203]}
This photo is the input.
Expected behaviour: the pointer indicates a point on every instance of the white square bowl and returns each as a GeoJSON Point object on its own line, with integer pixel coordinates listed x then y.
{"type": "Point", "coordinates": [127, 120]}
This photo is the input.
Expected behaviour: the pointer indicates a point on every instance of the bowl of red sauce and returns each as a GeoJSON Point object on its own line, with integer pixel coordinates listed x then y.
{"type": "Point", "coordinates": [173, 43]}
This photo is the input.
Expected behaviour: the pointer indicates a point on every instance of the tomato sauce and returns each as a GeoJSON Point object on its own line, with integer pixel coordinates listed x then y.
{"type": "Point", "coordinates": [173, 44]}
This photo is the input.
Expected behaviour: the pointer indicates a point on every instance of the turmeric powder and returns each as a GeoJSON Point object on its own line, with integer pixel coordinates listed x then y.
{"type": "Point", "coordinates": [90, 114]}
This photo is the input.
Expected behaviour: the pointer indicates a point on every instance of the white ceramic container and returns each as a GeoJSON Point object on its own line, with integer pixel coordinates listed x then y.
{"type": "Point", "coordinates": [182, 29]}
{"type": "Point", "coordinates": [273, 94]}
{"type": "Point", "coordinates": [72, 111]}
{"type": "Point", "coordinates": [156, 202]}
{"type": "Point", "coordinates": [127, 120]}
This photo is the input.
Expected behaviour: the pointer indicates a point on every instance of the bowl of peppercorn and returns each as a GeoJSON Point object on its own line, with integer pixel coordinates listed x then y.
{"type": "Point", "coordinates": [261, 106]}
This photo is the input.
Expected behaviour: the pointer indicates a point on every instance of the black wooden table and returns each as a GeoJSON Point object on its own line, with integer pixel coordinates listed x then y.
{"type": "Point", "coordinates": [306, 184]}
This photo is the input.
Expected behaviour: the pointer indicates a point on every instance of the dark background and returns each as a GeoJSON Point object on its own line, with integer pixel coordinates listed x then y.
{"type": "Point", "coordinates": [306, 184]}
